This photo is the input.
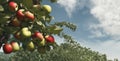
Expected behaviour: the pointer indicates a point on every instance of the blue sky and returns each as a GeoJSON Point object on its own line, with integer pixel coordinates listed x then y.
{"type": "Point", "coordinates": [98, 23]}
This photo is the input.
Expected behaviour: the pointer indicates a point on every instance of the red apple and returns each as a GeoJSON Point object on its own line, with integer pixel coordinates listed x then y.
{"type": "Point", "coordinates": [7, 48]}
{"type": "Point", "coordinates": [15, 46]}
{"type": "Point", "coordinates": [29, 15]}
{"type": "Point", "coordinates": [13, 6]}
{"type": "Point", "coordinates": [38, 35]}
{"type": "Point", "coordinates": [20, 14]}
{"type": "Point", "coordinates": [16, 22]}
{"type": "Point", "coordinates": [50, 38]}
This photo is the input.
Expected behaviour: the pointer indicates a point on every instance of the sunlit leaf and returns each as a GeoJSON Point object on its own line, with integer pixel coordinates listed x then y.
{"type": "Point", "coordinates": [1, 8]}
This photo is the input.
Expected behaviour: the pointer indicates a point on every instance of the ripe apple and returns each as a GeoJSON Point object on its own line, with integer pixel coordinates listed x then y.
{"type": "Point", "coordinates": [13, 6]}
{"type": "Point", "coordinates": [49, 38]}
{"type": "Point", "coordinates": [16, 22]}
{"type": "Point", "coordinates": [47, 8]}
{"type": "Point", "coordinates": [30, 46]}
{"type": "Point", "coordinates": [29, 15]}
{"type": "Point", "coordinates": [7, 48]}
{"type": "Point", "coordinates": [15, 46]}
{"type": "Point", "coordinates": [20, 14]}
{"type": "Point", "coordinates": [38, 35]}
{"type": "Point", "coordinates": [25, 32]}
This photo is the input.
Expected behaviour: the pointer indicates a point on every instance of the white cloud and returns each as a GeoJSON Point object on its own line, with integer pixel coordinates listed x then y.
{"type": "Point", "coordinates": [69, 5]}
{"type": "Point", "coordinates": [59, 40]}
{"type": "Point", "coordinates": [110, 47]}
{"type": "Point", "coordinates": [108, 13]}
{"type": "Point", "coordinates": [72, 5]}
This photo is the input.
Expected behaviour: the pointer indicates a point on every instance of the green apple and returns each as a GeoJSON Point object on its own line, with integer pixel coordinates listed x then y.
{"type": "Point", "coordinates": [42, 42]}
{"type": "Point", "coordinates": [15, 46]}
{"type": "Point", "coordinates": [25, 32]}
{"type": "Point", "coordinates": [47, 8]}
{"type": "Point", "coordinates": [30, 46]}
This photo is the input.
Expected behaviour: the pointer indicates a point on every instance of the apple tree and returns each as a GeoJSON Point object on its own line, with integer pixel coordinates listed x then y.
{"type": "Point", "coordinates": [27, 25]}
{"type": "Point", "coordinates": [64, 52]}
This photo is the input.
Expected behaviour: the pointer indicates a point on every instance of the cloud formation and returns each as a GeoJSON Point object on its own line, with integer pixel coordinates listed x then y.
{"type": "Point", "coordinates": [109, 47]}
{"type": "Point", "coordinates": [108, 14]}
{"type": "Point", "coordinates": [72, 5]}
{"type": "Point", "coordinates": [69, 5]}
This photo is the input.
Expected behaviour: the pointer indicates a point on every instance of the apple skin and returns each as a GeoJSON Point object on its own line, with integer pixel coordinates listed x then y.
{"type": "Point", "coordinates": [20, 14]}
{"type": "Point", "coordinates": [38, 35]}
{"type": "Point", "coordinates": [16, 22]}
{"type": "Point", "coordinates": [47, 8]}
{"type": "Point", "coordinates": [29, 15]}
{"type": "Point", "coordinates": [15, 46]}
{"type": "Point", "coordinates": [25, 32]}
{"type": "Point", "coordinates": [7, 48]}
{"type": "Point", "coordinates": [42, 43]}
{"type": "Point", "coordinates": [13, 6]}
{"type": "Point", "coordinates": [30, 46]}
{"type": "Point", "coordinates": [49, 39]}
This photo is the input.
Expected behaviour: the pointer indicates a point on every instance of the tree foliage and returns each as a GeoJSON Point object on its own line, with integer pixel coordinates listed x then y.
{"type": "Point", "coordinates": [64, 52]}
{"type": "Point", "coordinates": [41, 21]}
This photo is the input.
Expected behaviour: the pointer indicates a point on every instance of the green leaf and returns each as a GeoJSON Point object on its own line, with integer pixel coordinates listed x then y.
{"type": "Point", "coordinates": [48, 19]}
{"type": "Point", "coordinates": [6, 17]}
{"type": "Point", "coordinates": [53, 1]}
{"type": "Point", "coordinates": [66, 24]}
{"type": "Point", "coordinates": [27, 3]}
{"type": "Point", "coordinates": [55, 29]}
{"type": "Point", "coordinates": [1, 8]}
{"type": "Point", "coordinates": [40, 23]}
